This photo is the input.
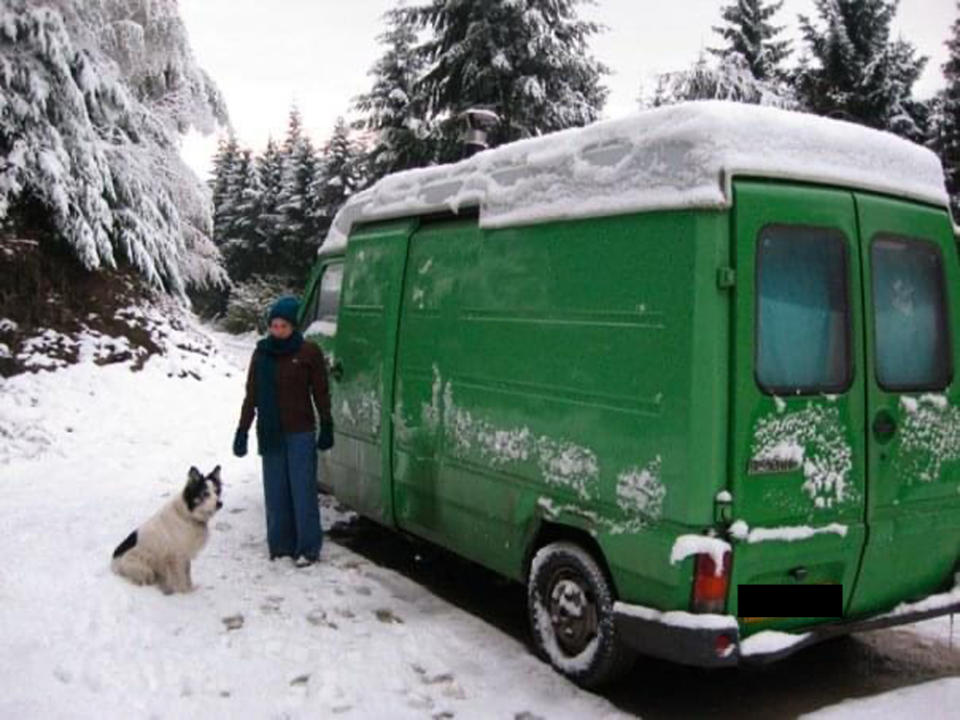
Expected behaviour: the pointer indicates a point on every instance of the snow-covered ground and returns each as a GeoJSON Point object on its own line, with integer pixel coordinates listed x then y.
{"type": "Point", "coordinates": [87, 453]}
{"type": "Point", "coordinates": [934, 699]}
{"type": "Point", "coordinates": [101, 449]}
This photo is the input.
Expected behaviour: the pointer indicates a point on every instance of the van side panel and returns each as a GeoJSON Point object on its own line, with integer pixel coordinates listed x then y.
{"type": "Point", "coordinates": [695, 443]}
{"type": "Point", "coordinates": [553, 374]}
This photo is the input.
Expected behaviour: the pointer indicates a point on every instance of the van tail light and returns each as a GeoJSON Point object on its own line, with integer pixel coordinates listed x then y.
{"type": "Point", "coordinates": [709, 586]}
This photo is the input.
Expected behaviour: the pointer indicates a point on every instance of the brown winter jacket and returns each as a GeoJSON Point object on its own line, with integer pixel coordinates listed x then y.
{"type": "Point", "coordinates": [300, 377]}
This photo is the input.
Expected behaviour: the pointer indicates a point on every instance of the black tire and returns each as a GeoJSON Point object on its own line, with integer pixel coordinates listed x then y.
{"type": "Point", "coordinates": [570, 607]}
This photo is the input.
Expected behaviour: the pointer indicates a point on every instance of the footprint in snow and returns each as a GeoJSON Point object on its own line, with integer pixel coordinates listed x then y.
{"type": "Point", "coordinates": [319, 618]}
{"type": "Point", "coordinates": [233, 622]}
{"type": "Point", "coordinates": [363, 590]}
{"type": "Point", "coordinates": [420, 702]}
{"type": "Point", "coordinates": [385, 615]}
{"type": "Point", "coordinates": [271, 604]}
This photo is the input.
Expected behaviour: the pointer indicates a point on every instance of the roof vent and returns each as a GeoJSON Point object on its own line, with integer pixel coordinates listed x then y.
{"type": "Point", "coordinates": [477, 123]}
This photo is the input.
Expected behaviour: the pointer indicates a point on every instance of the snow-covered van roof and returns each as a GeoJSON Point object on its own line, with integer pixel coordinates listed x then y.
{"type": "Point", "coordinates": [682, 156]}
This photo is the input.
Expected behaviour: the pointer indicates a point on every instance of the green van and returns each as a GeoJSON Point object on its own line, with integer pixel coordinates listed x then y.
{"type": "Point", "coordinates": [656, 368]}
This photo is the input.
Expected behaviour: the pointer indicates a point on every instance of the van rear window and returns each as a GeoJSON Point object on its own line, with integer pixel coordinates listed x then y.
{"type": "Point", "coordinates": [912, 339]}
{"type": "Point", "coordinates": [803, 312]}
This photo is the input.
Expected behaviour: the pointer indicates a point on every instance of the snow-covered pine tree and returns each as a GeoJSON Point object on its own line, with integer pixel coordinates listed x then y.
{"type": "Point", "coordinates": [394, 109]}
{"type": "Point", "coordinates": [224, 167]}
{"type": "Point", "coordinates": [270, 170]}
{"type": "Point", "coordinates": [527, 60]}
{"type": "Point", "coordinates": [340, 174]}
{"type": "Point", "coordinates": [243, 248]}
{"type": "Point", "coordinates": [945, 136]}
{"type": "Point", "coordinates": [857, 72]}
{"type": "Point", "coordinates": [728, 78]}
{"type": "Point", "coordinates": [93, 96]}
{"type": "Point", "coordinates": [297, 234]}
{"type": "Point", "coordinates": [749, 32]}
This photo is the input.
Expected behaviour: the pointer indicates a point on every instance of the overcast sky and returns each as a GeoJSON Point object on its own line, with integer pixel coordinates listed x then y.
{"type": "Point", "coordinates": [316, 53]}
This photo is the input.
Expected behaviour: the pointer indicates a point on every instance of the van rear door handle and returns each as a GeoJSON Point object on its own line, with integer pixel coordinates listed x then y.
{"type": "Point", "coordinates": [884, 425]}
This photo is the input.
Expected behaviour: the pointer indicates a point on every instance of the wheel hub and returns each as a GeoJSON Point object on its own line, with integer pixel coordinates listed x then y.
{"type": "Point", "coordinates": [573, 613]}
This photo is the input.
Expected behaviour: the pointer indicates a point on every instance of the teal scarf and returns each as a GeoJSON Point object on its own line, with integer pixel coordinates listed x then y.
{"type": "Point", "coordinates": [269, 430]}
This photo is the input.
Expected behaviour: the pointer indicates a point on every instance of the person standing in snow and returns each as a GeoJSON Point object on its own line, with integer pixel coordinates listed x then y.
{"type": "Point", "coordinates": [285, 375]}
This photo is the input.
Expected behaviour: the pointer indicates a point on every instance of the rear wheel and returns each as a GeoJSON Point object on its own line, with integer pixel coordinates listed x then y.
{"type": "Point", "coordinates": [570, 603]}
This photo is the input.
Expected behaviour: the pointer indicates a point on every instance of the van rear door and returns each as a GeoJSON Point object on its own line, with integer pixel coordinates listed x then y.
{"type": "Point", "coordinates": [913, 405]}
{"type": "Point", "coordinates": [799, 454]}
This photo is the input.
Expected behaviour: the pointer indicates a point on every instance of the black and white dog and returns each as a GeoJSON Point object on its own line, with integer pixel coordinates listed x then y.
{"type": "Point", "coordinates": [160, 550]}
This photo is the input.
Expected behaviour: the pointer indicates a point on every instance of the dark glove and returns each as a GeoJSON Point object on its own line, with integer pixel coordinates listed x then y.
{"type": "Point", "coordinates": [325, 440]}
{"type": "Point", "coordinates": [240, 443]}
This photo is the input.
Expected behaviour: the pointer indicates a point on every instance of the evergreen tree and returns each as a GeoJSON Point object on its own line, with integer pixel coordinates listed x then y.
{"type": "Point", "coordinates": [946, 121]}
{"type": "Point", "coordinates": [340, 174]}
{"type": "Point", "coordinates": [729, 79]}
{"type": "Point", "coordinates": [526, 60]}
{"type": "Point", "coordinates": [857, 72]}
{"type": "Point", "coordinates": [749, 33]}
{"type": "Point", "coordinates": [224, 166]}
{"type": "Point", "coordinates": [242, 249]}
{"type": "Point", "coordinates": [394, 109]}
{"type": "Point", "coordinates": [270, 170]}
{"type": "Point", "coordinates": [297, 232]}
{"type": "Point", "coordinates": [93, 97]}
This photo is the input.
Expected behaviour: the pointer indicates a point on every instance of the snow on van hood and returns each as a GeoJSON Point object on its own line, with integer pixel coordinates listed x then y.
{"type": "Point", "coordinates": [682, 156]}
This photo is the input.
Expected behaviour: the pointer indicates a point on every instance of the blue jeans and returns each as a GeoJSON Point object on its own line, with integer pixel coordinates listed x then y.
{"type": "Point", "coordinates": [290, 492]}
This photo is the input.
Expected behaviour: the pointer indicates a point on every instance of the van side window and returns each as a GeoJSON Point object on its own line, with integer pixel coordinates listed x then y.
{"type": "Point", "coordinates": [325, 303]}
{"type": "Point", "coordinates": [910, 314]}
{"type": "Point", "coordinates": [803, 311]}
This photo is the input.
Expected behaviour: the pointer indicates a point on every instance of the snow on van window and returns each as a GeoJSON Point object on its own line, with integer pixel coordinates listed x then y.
{"type": "Point", "coordinates": [929, 437]}
{"type": "Point", "coordinates": [639, 490]}
{"type": "Point", "coordinates": [812, 439]}
{"type": "Point", "coordinates": [676, 157]}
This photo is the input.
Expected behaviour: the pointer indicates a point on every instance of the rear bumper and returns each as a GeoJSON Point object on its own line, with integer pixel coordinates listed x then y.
{"type": "Point", "coordinates": [714, 640]}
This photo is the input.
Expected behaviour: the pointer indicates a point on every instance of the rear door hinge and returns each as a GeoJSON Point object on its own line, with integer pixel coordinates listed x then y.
{"type": "Point", "coordinates": [726, 278]}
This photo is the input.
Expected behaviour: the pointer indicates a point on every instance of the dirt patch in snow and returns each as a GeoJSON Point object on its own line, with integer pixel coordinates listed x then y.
{"type": "Point", "coordinates": [54, 313]}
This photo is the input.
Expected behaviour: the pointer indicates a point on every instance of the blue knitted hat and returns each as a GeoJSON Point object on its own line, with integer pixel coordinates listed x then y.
{"type": "Point", "coordinates": [286, 308]}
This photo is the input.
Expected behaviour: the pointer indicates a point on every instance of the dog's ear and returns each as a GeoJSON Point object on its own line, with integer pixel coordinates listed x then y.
{"type": "Point", "coordinates": [194, 475]}
{"type": "Point", "coordinates": [215, 474]}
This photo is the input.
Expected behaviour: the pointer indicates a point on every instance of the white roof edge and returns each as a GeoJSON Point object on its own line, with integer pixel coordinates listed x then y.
{"type": "Point", "coordinates": [682, 156]}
